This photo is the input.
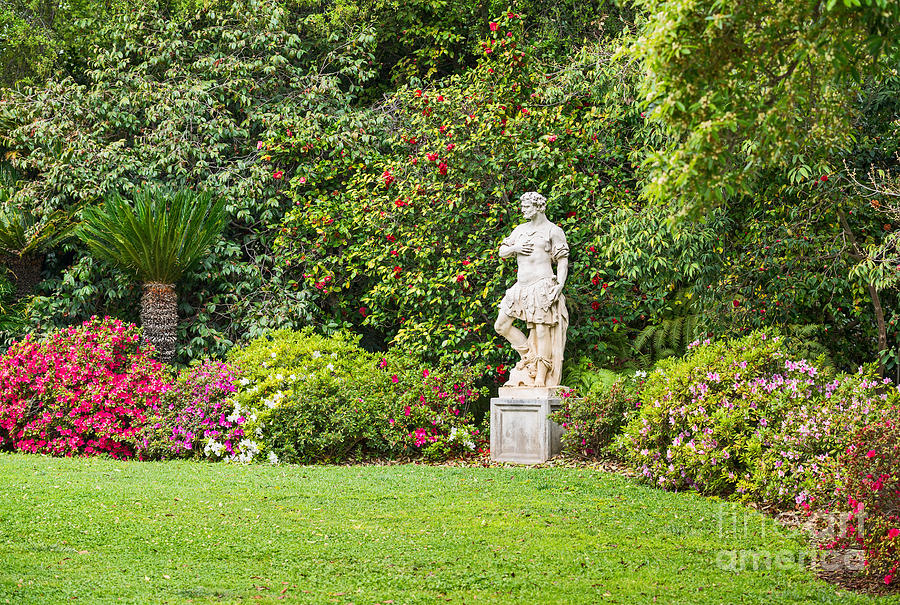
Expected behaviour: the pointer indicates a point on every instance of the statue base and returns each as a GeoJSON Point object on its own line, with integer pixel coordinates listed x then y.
{"type": "Point", "coordinates": [521, 431]}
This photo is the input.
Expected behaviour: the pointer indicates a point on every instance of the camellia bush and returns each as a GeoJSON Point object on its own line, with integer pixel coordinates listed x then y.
{"type": "Point", "coordinates": [309, 398]}
{"type": "Point", "coordinates": [396, 235]}
{"type": "Point", "coordinates": [83, 391]}
{"type": "Point", "coordinates": [871, 470]}
{"type": "Point", "coordinates": [741, 418]}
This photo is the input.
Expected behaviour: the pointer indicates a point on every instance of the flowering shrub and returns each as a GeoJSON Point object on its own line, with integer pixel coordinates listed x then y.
{"type": "Point", "coordinates": [84, 390]}
{"type": "Point", "coordinates": [429, 409]}
{"type": "Point", "coordinates": [592, 421]}
{"type": "Point", "coordinates": [871, 470]}
{"type": "Point", "coordinates": [196, 417]}
{"type": "Point", "coordinates": [741, 418]}
{"type": "Point", "coordinates": [310, 398]}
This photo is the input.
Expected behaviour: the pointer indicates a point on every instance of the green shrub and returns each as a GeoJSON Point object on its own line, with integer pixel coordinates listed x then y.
{"type": "Point", "coordinates": [310, 398]}
{"type": "Point", "coordinates": [742, 418]}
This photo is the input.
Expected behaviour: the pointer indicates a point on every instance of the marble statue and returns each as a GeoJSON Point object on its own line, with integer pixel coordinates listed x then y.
{"type": "Point", "coordinates": [536, 298]}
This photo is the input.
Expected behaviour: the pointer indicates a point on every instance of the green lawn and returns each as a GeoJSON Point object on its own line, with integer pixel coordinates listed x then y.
{"type": "Point", "coordinates": [102, 531]}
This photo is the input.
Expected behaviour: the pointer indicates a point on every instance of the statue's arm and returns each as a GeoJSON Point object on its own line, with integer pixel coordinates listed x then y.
{"type": "Point", "coordinates": [562, 271]}
{"type": "Point", "coordinates": [560, 253]}
{"type": "Point", "coordinates": [507, 250]}
{"type": "Point", "coordinates": [509, 246]}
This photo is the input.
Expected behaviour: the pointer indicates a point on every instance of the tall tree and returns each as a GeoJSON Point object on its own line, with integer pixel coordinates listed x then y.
{"type": "Point", "coordinates": [746, 86]}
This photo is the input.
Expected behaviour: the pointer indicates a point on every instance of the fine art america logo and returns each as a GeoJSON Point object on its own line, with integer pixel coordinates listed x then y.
{"type": "Point", "coordinates": [738, 526]}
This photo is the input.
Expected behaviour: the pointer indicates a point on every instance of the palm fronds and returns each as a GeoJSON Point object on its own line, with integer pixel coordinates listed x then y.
{"type": "Point", "coordinates": [22, 233]}
{"type": "Point", "coordinates": [159, 238]}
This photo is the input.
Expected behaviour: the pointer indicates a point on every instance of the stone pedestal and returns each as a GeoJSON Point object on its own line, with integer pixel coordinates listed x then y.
{"type": "Point", "coordinates": [520, 429]}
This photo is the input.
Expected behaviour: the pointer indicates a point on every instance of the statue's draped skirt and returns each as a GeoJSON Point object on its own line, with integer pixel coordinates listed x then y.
{"type": "Point", "coordinates": [532, 304]}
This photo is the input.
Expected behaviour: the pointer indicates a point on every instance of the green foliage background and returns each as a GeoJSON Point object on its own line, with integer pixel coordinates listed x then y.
{"type": "Point", "coordinates": [712, 176]}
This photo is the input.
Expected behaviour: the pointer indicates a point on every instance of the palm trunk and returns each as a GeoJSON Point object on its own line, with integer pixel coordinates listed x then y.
{"type": "Point", "coordinates": [159, 318]}
{"type": "Point", "coordinates": [26, 272]}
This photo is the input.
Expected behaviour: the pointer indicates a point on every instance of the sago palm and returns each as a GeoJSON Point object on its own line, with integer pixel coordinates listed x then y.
{"type": "Point", "coordinates": [24, 236]}
{"type": "Point", "coordinates": [156, 240]}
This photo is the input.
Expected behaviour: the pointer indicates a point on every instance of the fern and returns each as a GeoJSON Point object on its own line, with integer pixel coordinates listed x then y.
{"type": "Point", "coordinates": [667, 338]}
{"type": "Point", "coordinates": [584, 376]}
{"type": "Point", "coordinates": [804, 341]}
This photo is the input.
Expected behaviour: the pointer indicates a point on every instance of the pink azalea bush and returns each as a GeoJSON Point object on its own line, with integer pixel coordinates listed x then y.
{"type": "Point", "coordinates": [871, 473]}
{"type": "Point", "coordinates": [83, 390]}
{"type": "Point", "coordinates": [196, 417]}
{"type": "Point", "coordinates": [741, 418]}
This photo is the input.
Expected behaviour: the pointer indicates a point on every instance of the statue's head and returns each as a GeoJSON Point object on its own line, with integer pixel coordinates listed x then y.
{"type": "Point", "coordinates": [535, 201]}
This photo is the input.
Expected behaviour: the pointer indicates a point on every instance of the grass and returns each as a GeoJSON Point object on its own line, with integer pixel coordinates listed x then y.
{"type": "Point", "coordinates": [100, 531]}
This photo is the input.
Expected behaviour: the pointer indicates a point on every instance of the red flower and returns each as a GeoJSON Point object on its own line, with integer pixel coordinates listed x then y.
{"type": "Point", "coordinates": [893, 533]}
{"type": "Point", "coordinates": [391, 238]}
{"type": "Point", "coordinates": [442, 168]}
{"type": "Point", "coordinates": [551, 138]}
{"type": "Point", "coordinates": [824, 177]}
{"type": "Point", "coordinates": [440, 98]}
{"type": "Point", "coordinates": [397, 270]}
{"type": "Point", "coordinates": [451, 146]}
{"type": "Point", "coordinates": [460, 277]}
{"type": "Point", "coordinates": [871, 454]}
{"type": "Point", "coordinates": [595, 280]}
{"type": "Point", "coordinates": [490, 70]}
{"type": "Point", "coordinates": [431, 156]}
{"type": "Point", "coordinates": [418, 93]}
{"type": "Point", "coordinates": [388, 178]}
{"type": "Point", "coordinates": [494, 27]}
{"type": "Point", "coordinates": [278, 174]}
{"type": "Point", "coordinates": [595, 305]}
{"type": "Point", "coordinates": [570, 214]}
{"type": "Point", "coordinates": [736, 303]}
{"type": "Point", "coordinates": [362, 311]}
{"type": "Point", "coordinates": [400, 203]}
